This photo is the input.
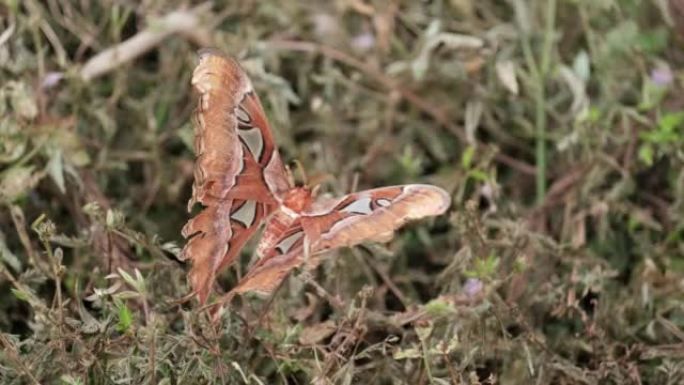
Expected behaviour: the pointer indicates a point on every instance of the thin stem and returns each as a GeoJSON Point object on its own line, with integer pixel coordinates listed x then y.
{"type": "Point", "coordinates": [426, 359]}
{"type": "Point", "coordinates": [548, 37]}
{"type": "Point", "coordinates": [541, 113]}
{"type": "Point", "coordinates": [540, 100]}
{"type": "Point", "coordinates": [55, 266]}
{"type": "Point", "coordinates": [540, 123]}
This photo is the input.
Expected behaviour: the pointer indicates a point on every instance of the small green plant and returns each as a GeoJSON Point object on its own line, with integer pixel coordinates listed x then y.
{"type": "Point", "coordinates": [484, 268]}
{"type": "Point", "coordinates": [666, 137]}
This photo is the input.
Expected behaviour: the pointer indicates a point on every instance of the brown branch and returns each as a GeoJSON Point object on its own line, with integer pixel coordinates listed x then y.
{"type": "Point", "coordinates": [185, 22]}
{"type": "Point", "coordinates": [515, 164]}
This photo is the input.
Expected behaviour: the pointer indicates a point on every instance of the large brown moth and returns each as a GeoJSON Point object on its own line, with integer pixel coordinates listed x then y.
{"type": "Point", "coordinates": [241, 182]}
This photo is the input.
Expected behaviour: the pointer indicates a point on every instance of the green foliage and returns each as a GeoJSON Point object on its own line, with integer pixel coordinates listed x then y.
{"type": "Point", "coordinates": [125, 317]}
{"type": "Point", "coordinates": [556, 125]}
{"type": "Point", "coordinates": [483, 268]}
{"type": "Point", "coordinates": [660, 141]}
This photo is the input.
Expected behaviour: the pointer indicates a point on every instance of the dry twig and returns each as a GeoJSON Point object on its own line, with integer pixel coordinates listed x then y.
{"type": "Point", "coordinates": [186, 22]}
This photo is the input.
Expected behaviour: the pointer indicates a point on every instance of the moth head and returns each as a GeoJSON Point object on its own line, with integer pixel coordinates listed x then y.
{"type": "Point", "coordinates": [298, 199]}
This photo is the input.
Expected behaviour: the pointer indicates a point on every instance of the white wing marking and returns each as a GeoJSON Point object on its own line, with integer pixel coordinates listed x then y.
{"type": "Point", "coordinates": [286, 244]}
{"type": "Point", "coordinates": [242, 115]}
{"type": "Point", "coordinates": [359, 206]}
{"type": "Point", "coordinates": [245, 214]}
{"type": "Point", "coordinates": [254, 141]}
{"type": "Point", "coordinates": [383, 202]}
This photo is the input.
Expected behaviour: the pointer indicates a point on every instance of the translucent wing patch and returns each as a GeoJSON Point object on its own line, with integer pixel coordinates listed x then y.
{"type": "Point", "coordinates": [359, 206]}
{"type": "Point", "coordinates": [246, 214]}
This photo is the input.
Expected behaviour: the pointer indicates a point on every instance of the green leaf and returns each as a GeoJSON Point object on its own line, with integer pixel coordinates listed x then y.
{"type": "Point", "coordinates": [68, 379]}
{"type": "Point", "coordinates": [479, 175]}
{"type": "Point", "coordinates": [138, 283]}
{"type": "Point", "coordinates": [125, 318]}
{"type": "Point", "coordinates": [438, 307]}
{"type": "Point", "coordinates": [653, 41]}
{"type": "Point", "coordinates": [55, 168]}
{"type": "Point", "coordinates": [467, 157]}
{"type": "Point", "coordinates": [670, 122]}
{"type": "Point", "coordinates": [594, 114]}
{"type": "Point", "coordinates": [20, 294]}
{"type": "Point", "coordinates": [410, 162]}
{"type": "Point", "coordinates": [484, 268]}
{"type": "Point", "coordinates": [651, 95]}
{"type": "Point", "coordinates": [621, 38]}
{"type": "Point", "coordinates": [667, 130]}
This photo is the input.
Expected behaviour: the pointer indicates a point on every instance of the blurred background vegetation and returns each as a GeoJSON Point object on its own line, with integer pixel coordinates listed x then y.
{"type": "Point", "coordinates": [557, 125]}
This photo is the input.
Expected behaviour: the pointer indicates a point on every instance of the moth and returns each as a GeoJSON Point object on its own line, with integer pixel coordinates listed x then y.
{"type": "Point", "coordinates": [241, 182]}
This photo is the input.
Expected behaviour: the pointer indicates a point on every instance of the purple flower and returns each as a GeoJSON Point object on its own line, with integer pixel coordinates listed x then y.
{"type": "Point", "coordinates": [363, 42]}
{"type": "Point", "coordinates": [662, 76]}
{"type": "Point", "coordinates": [473, 287]}
{"type": "Point", "coordinates": [51, 79]}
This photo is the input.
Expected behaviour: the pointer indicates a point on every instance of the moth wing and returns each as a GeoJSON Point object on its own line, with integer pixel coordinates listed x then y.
{"type": "Point", "coordinates": [255, 134]}
{"type": "Point", "coordinates": [217, 234]}
{"type": "Point", "coordinates": [372, 215]}
{"type": "Point", "coordinates": [239, 176]}
{"type": "Point", "coordinates": [276, 263]}
{"type": "Point", "coordinates": [236, 155]}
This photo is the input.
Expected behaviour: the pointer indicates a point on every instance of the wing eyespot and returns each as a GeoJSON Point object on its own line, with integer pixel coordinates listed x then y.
{"type": "Point", "coordinates": [382, 202]}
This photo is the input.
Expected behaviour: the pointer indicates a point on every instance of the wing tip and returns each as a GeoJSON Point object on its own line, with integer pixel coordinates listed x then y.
{"type": "Point", "coordinates": [209, 55]}
{"type": "Point", "coordinates": [214, 60]}
{"type": "Point", "coordinates": [444, 196]}
{"type": "Point", "coordinates": [206, 52]}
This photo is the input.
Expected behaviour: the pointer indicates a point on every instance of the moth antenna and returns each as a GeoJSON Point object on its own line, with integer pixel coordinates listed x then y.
{"type": "Point", "coordinates": [290, 176]}
{"type": "Point", "coordinates": [355, 182]}
{"type": "Point", "coordinates": [302, 172]}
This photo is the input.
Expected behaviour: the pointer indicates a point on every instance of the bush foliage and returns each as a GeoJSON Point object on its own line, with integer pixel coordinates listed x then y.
{"type": "Point", "coordinates": [556, 125]}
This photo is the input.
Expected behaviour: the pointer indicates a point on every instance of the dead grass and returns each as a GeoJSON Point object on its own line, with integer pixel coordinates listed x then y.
{"type": "Point", "coordinates": [556, 125]}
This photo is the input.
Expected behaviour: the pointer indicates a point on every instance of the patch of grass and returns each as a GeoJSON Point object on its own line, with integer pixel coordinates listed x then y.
{"type": "Point", "coordinates": [556, 126]}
